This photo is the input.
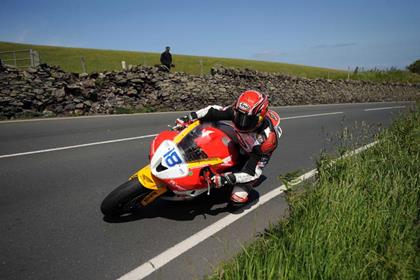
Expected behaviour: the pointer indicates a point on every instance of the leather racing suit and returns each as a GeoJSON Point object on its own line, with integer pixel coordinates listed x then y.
{"type": "Point", "coordinates": [257, 146]}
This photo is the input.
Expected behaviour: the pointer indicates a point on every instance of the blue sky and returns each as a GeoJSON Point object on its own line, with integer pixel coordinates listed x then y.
{"type": "Point", "coordinates": [336, 34]}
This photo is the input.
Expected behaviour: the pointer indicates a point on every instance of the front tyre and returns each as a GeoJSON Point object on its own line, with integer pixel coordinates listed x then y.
{"type": "Point", "coordinates": [124, 199]}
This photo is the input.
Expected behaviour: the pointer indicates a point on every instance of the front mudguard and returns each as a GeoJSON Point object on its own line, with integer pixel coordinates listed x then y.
{"type": "Point", "coordinates": [149, 181]}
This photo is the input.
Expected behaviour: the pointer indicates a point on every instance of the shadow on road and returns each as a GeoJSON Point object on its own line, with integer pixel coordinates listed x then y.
{"type": "Point", "coordinates": [215, 204]}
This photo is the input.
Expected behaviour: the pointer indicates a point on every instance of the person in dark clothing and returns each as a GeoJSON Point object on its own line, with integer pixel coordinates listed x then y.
{"type": "Point", "coordinates": [2, 67]}
{"type": "Point", "coordinates": [166, 59]}
{"type": "Point", "coordinates": [258, 131]}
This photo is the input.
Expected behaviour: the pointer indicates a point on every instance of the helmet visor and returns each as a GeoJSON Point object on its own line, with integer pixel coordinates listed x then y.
{"type": "Point", "coordinates": [244, 122]}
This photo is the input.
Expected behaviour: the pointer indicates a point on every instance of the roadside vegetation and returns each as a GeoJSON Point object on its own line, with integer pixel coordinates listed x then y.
{"type": "Point", "coordinates": [358, 220]}
{"type": "Point", "coordinates": [97, 60]}
{"type": "Point", "coordinates": [391, 75]}
{"type": "Point", "coordinates": [414, 67]}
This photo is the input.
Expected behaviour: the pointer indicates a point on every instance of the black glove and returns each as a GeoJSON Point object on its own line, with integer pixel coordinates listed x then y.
{"type": "Point", "coordinates": [221, 180]}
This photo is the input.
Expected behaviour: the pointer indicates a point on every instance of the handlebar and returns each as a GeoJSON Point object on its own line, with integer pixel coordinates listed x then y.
{"type": "Point", "coordinates": [176, 127]}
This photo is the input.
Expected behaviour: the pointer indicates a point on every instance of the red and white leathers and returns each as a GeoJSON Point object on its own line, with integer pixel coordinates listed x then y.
{"type": "Point", "coordinates": [256, 145]}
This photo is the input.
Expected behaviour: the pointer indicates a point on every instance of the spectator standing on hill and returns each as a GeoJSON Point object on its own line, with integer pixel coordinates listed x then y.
{"type": "Point", "coordinates": [166, 59]}
{"type": "Point", "coordinates": [1, 65]}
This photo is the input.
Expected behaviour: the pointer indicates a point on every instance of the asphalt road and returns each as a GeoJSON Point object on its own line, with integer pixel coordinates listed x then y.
{"type": "Point", "coordinates": [51, 225]}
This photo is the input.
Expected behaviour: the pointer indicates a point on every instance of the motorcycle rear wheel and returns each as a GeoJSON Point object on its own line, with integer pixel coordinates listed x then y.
{"type": "Point", "coordinates": [124, 199]}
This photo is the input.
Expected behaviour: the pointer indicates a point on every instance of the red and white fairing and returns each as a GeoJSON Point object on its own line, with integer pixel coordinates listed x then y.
{"type": "Point", "coordinates": [179, 165]}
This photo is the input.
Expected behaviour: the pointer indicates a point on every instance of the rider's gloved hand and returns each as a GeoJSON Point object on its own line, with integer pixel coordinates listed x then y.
{"type": "Point", "coordinates": [186, 120]}
{"type": "Point", "coordinates": [224, 179]}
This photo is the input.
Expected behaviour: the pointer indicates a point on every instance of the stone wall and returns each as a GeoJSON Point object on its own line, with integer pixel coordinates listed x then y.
{"type": "Point", "coordinates": [49, 91]}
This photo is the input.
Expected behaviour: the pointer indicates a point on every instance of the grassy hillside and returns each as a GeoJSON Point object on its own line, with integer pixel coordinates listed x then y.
{"type": "Point", "coordinates": [359, 221]}
{"type": "Point", "coordinates": [100, 60]}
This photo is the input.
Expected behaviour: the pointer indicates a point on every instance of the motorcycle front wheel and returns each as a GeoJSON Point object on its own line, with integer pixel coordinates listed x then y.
{"type": "Point", "coordinates": [124, 199]}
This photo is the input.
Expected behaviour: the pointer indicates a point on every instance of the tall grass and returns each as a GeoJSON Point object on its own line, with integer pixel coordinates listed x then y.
{"type": "Point", "coordinates": [359, 221]}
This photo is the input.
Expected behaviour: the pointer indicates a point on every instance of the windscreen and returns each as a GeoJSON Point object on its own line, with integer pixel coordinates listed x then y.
{"type": "Point", "coordinates": [189, 148]}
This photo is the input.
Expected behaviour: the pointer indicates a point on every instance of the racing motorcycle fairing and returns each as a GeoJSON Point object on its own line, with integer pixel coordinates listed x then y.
{"type": "Point", "coordinates": [178, 160]}
{"type": "Point", "coordinates": [168, 162]}
{"type": "Point", "coordinates": [164, 135]}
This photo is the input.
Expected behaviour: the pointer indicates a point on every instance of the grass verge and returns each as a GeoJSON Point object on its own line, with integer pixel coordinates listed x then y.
{"type": "Point", "coordinates": [360, 219]}
{"type": "Point", "coordinates": [97, 60]}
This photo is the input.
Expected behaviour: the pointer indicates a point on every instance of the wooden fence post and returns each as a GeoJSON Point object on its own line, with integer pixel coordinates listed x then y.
{"type": "Point", "coordinates": [31, 57]}
{"type": "Point", "coordinates": [82, 62]}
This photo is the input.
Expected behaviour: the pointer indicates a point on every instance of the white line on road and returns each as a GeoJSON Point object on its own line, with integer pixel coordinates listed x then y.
{"type": "Point", "coordinates": [179, 112]}
{"type": "Point", "coordinates": [76, 146]}
{"type": "Point", "coordinates": [131, 138]}
{"type": "Point", "coordinates": [75, 118]}
{"type": "Point", "coordinates": [384, 108]}
{"type": "Point", "coordinates": [160, 260]}
{"type": "Point", "coordinates": [310, 116]}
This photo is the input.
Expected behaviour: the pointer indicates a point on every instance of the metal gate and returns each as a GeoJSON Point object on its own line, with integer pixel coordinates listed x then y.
{"type": "Point", "coordinates": [20, 58]}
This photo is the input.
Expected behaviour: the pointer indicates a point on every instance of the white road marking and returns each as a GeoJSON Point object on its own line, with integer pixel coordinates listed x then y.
{"type": "Point", "coordinates": [77, 146]}
{"type": "Point", "coordinates": [88, 117]}
{"type": "Point", "coordinates": [179, 112]}
{"type": "Point", "coordinates": [165, 257]}
{"type": "Point", "coordinates": [343, 104]}
{"type": "Point", "coordinates": [310, 116]}
{"type": "Point", "coordinates": [384, 108]}
{"type": "Point", "coordinates": [131, 138]}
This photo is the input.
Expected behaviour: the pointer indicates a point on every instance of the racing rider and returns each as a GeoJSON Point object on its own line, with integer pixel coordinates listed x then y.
{"type": "Point", "coordinates": [258, 131]}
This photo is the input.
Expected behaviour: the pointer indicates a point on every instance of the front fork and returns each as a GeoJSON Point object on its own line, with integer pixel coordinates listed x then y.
{"type": "Point", "coordinates": [152, 196]}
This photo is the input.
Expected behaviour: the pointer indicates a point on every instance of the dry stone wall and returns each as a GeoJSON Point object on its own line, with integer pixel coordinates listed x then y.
{"type": "Point", "coordinates": [49, 91]}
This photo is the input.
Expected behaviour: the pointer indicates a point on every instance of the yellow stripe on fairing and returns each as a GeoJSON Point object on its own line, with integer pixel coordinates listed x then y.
{"type": "Point", "coordinates": [205, 162]}
{"type": "Point", "coordinates": [187, 130]}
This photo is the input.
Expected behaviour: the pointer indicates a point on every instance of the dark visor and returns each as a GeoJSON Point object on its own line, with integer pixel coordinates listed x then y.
{"type": "Point", "coordinates": [244, 122]}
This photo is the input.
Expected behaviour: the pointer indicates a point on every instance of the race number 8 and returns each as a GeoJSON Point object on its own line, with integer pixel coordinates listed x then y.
{"type": "Point", "coordinates": [172, 158]}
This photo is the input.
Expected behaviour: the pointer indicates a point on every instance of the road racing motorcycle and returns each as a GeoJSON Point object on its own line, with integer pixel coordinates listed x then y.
{"type": "Point", "coordinates": [181, 165]}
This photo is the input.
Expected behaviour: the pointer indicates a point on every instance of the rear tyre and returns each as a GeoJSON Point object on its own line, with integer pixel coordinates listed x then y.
{"type": "Point", "coordinates": [124, 199]}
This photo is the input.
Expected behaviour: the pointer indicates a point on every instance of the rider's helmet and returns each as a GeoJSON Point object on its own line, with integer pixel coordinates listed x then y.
{"type": "Point", "coordinates": [249, 110]}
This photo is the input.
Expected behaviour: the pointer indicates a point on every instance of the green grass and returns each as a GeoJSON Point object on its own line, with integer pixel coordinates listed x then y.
{"type": "Point", "coordinates": [391, 75]}
{"type": "Point", "coordinates": [359, 221]}
{"type": "Point", "coordinates": [101, 60]}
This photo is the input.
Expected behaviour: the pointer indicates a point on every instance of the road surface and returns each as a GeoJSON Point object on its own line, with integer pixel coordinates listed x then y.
{"type": "Point", "coordinates": [55, 173]}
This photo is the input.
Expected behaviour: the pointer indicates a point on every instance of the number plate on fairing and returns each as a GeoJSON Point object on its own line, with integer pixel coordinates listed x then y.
{"type": "Point", "coordinates": [168, 162]}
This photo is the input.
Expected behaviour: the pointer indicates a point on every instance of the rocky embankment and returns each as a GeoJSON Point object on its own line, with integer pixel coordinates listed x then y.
{"type": "Point", "coordinates": [49, 91]}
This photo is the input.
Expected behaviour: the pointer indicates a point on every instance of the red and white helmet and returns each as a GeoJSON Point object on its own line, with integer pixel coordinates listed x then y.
{"type": "Point", "coordinates": [249, 110]}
